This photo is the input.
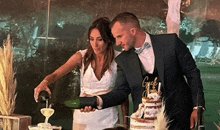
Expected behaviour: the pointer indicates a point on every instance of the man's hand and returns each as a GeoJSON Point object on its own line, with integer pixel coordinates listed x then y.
{"type": "Point", "coordinates": [87, 109]}
{"type": "Point", "coordinates": [194, 118]}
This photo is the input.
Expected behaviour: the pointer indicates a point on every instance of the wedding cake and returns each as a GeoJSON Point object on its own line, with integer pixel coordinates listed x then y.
{"type": "Point", "coordinates": [144, 117]}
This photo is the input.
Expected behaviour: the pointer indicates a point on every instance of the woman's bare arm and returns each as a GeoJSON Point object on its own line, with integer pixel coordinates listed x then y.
{"type": "Point", "coordinates": [73, 62]}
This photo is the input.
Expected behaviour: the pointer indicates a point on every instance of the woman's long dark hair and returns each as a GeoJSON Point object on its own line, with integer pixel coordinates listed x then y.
{"type": "Point", "coordinates": [102, 24]}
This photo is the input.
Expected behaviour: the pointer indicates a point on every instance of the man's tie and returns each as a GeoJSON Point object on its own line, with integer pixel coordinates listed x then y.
{"type": "Point", "coordinates": [140, 50]}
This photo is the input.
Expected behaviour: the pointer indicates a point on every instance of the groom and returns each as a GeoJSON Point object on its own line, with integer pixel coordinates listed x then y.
{"type": "Point", "coordinates": [163, 56]}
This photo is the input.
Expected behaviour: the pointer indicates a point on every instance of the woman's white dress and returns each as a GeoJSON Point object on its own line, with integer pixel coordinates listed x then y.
{"type": "Point", "coordinates": [99, 119]}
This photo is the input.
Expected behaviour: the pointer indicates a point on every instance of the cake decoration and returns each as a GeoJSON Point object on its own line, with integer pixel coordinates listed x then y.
{"type": "Point", "coordinates": [146, 115]}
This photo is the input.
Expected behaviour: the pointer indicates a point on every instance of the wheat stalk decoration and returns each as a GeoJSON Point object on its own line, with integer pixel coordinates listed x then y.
{"type": "Point", "coordinates": [7, 83]}
{"type": "Point", "coordinates": [218, 126]}
{"type": "Point", "coordinates": [162, 122]}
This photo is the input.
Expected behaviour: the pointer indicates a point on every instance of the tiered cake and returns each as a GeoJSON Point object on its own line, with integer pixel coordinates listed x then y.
{"type": "Point", "coordinates": [144, 117]}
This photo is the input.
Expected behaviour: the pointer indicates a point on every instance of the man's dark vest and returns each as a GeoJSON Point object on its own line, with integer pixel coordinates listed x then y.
{"type": "Point", "coordinates": [151, 77]}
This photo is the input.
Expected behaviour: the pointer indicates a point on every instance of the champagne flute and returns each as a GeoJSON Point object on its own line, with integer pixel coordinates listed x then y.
{"type": "Point", "coordinates": [47, 112]}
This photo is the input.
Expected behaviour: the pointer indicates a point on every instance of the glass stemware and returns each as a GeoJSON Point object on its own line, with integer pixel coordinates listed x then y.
{"type": "Point", "coordinates": [47, 112]}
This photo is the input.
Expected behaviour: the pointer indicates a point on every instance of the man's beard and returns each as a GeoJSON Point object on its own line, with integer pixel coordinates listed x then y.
{"type": "Point", "coordinates": [133, 42]}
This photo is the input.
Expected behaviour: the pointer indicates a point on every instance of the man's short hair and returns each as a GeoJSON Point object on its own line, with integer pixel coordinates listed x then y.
{"type": "Point", "coordinates": [124, 18]}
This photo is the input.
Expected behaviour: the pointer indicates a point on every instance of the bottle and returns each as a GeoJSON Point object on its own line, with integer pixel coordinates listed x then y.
{"type": "Point", "coordinates": [43, 96]}
{"type": "Point", "coordinates": [44, 99]}
{"type": "Point", "coordinates": [82, 102]}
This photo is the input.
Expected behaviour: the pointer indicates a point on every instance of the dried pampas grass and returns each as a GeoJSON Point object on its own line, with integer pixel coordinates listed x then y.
{"type": "Point", "coordinates": [7, 83]}
{"type": "Point", "coordinates": [218, 126]}
{"type": "Point", "coordinates": [162, 122]}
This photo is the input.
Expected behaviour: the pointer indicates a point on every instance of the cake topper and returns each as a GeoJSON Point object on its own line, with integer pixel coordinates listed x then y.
{"type": "Point", "coordinates": [147, 84]}
{"type": "Point", "coordinates": [154, 84]}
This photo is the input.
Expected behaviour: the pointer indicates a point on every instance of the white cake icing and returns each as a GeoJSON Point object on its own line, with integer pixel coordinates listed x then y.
{"type": "Point", "coordinates": [138, 125]}
{"type": "Point", "coordinates": [154, 96]}
{"type": "Point", "coordinates": [143, 118]}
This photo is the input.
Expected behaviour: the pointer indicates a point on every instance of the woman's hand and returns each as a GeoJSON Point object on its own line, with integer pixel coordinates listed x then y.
{"type": "Point", "coordinates": [42, 86]}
